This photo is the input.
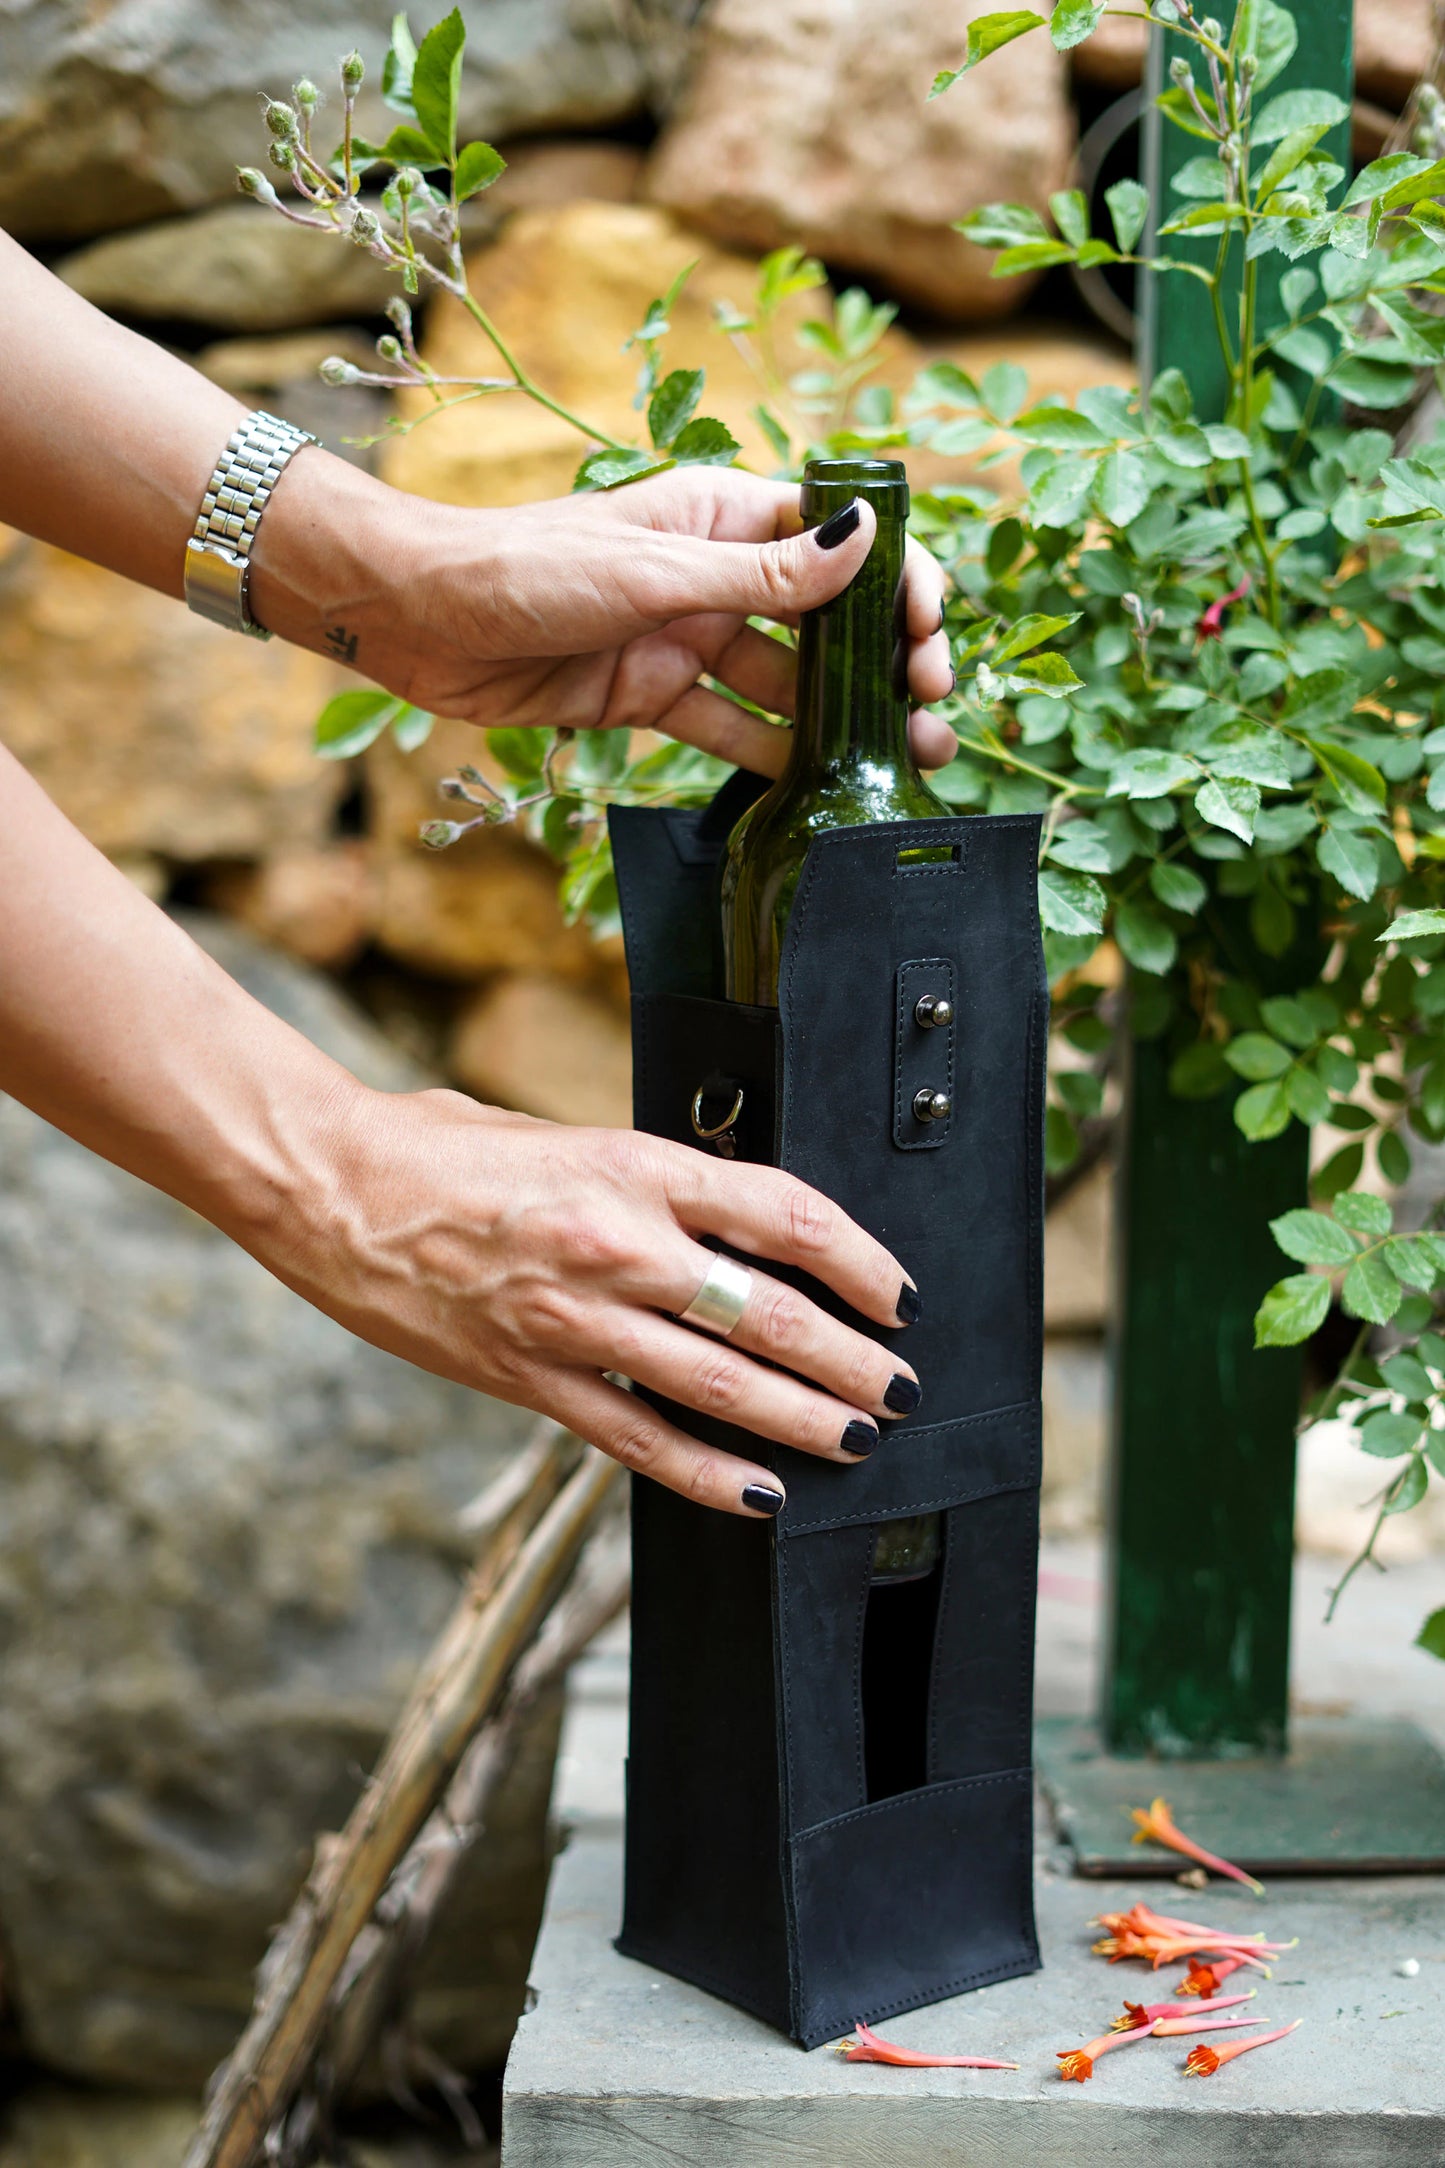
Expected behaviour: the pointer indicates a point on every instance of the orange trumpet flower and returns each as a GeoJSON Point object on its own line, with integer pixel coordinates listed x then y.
{"type": "Point", "coordinates": [1157, 1826]}
{"type": "Point", "coordinates": [1078, 2063]}
{"type": "Point", "coordinates": [1140, 2013]}
{"type": "Point", "coordinates": [871, 2047]}
{"type": "Point", "coordinates": [1204, 2060]}
{"type": "Point", "coordinates": [1206, 1980]}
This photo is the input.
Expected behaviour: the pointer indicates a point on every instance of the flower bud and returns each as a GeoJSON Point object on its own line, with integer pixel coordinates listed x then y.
{"type": "Point", "coordinates": [253, 183]}
{"type": "Point", "coordinates": [1248, 67]}
{"type": "Point", "coordinates": [400, 315]}
{"type": "Point", "coordinates": [281, 120]}
{"type": "Point", "coordinates": [307, 96]}
{"type": "Point", "coordinates": [282, 155]}
{"type": "Point", "coordinates": [365, 226]}
{"type": "Point", "coordinates": [451, 787]}
{"type": "Point", "coordinates": [1180, 71]}
{"type": "Point", "coordinates": [334, 370]}
{"type": "Point", "coordinates": [1211, 29]}
{"type": "Point", "coordinates": [408, 181]}
{"type": "Point", "coordinates": [1427, 99]}
{"type": "Point", "coordinates": [353, 73]}
{"type": "Point", "coordinates": [436, 835]}
{"type": "Point", "coordinates": [388, 347]}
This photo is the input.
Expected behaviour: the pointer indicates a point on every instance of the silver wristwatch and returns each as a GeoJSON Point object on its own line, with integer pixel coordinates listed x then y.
{"type": "Point", "coordinates": [218, 555]}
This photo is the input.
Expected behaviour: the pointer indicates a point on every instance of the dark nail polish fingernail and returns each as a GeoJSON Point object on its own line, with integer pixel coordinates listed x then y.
{"type": "Point", "coordinates": [761, 1499]}
{"type": "Point", "coordinates": [939, 626]}
{"type": "Point", "coordinates": [837, 526]}
{"type": "Point", "coordinates": [859, 1438]}
{"type": "Point", "coordinates": [910, 1306]}
{"type": "Point", "coordinates": [903, 1394]}
{"type": "Point", "coordinates": [952, 680]}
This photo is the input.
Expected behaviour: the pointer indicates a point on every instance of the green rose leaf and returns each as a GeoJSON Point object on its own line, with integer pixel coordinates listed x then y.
{"type": "Point", "coordinates": [1387, 1436]}
{"type": "Point", "coordinates": [1431, 1636]}
{"type": "Point", "coordinates": [478, 165]}
{"type": "Point", "coordinates": [1313, 1238]}
{"type": "Point", "coordinates": [1147, 940]}
{"type": "Point", "coordinates": [1413, 926]}
{"type": "Point", "coordinates": [1298, 109]}
{"type": "Point", "coordinates": [1150, 771]}
{"type": "Point", "coordinates": [409, 147]}
{"type": "Point", "coordinates": [986, 33]}
{"type": "Point", "coordinates": [1262, 1111]}
{"type": "Point", "coordinates": [608, 469]}
{"type": "Point", "coordinates": [1292, 1310]}
{"type": "Point", "coordinates": [1177, 886]}
{"type": "Point", "coordinates": [1350, 857]}
{"type": "Point", "coordinates": [1128, 204]}
{"type": "Point", "coordinates": [1255, 1056]}
{"type": "Point", "coordinates": [1405, 1373]}
{"type": "Point", "coordinates": [436, 80]}
{"type": "Point", "coordinates": [673, 404]}
{"type": "Point", "coordinates": [1122, 488]}
{"type": "Point", "coordinates": [1074, 20]}
{"type": "Point", "coordinates": [1052, 674]}
{"type": "Point", "coordinates": [704, 442]}
{"type": "Point", "coordinates": [1070, 902]}
{"type": "Point", "coordinates": [1362, 1213]}
{"type": "Point", "coordinates": [1029, 632]}
{"type": "Point", "coordinates": [1371, 1290]}
{"type": "Point", "coordinates": [1410, 1486]}
{"type": "Point", "coordinates": [1267, 32]}
{"type": "Point", "coordinates": [1229, 805]}
{"type": "Point", "coordinates": [352, 721]}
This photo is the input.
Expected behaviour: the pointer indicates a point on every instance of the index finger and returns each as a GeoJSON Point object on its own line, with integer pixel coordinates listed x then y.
{"type": "Point", "coordinates": [766, 1213]}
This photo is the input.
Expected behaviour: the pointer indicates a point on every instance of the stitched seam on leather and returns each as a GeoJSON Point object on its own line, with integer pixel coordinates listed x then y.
{"type": "Point", "coordinates": [899, 1805]}
{"type": "Point", "coordinates": [903, 1011]}
{"type": "Point", "coordinates": [1011, 1421]}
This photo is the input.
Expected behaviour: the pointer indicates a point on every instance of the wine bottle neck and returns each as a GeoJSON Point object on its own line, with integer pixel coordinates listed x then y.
{"type": "Point", "coordinates": [848, 711]}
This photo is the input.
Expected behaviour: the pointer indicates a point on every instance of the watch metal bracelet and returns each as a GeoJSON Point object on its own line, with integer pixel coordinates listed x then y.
{"type": "Point", "coordinates": [218, 554]}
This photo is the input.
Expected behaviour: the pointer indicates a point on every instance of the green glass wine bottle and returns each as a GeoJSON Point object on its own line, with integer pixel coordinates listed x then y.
{"type": "Point", "coordinates": [849, 762]}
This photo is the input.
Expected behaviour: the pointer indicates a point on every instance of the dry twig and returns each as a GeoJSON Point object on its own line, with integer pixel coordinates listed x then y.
{"type": "Point", "coordinates": [461, 1685]}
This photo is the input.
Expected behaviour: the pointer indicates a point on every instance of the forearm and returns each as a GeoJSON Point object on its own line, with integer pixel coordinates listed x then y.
{"type": "Point", "coordinates": [117, 1028]}
{"type": "Point", "coordinates": [107, 443]}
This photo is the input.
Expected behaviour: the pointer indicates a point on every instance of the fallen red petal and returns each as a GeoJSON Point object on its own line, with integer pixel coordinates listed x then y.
{"type": "Point", "coordinates": [871, 2047]}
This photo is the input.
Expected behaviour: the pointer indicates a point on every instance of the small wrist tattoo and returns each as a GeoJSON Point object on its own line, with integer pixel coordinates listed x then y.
{"type": "Point", "coordinates": [341, 643]}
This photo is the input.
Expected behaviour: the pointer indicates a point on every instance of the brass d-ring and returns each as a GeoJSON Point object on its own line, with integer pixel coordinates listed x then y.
{"type": "Point", "coordinates": [710, 1136]}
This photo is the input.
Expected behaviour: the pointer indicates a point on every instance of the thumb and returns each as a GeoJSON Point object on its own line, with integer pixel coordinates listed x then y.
{"type": "Point", "coordinates": [772, 579]}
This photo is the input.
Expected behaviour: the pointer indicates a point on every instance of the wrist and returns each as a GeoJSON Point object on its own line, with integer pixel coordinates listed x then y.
{"type": "Point", "coordinates": [334, 554]}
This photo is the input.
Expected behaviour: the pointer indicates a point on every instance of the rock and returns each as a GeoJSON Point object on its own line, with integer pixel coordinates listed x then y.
{"type": "Point", "coordinates": [1114, 56]}
{"type": "Point", "coordinates": [566, 288]}
{"type": "Point", "coordinates": [802, 123]}
{"type": "Point", "coordinates": [1394, 49]}
{"type": "Point", "coordinates": [156, 732]}
{"type": "Point", "coordinates": [545, 1048]}
{"type": "Point", "coordinates": [316, 904]}
{"type": "Point", "coordinates": [241, 267]}
{"type": "Point", "coordinates": [50, 2127]}
{"type": "Point", "coordinates": [115, 115]}
{"type": "Point", "coordinates": [280, 373]}
{"type": "Point", "coordinates": [237, 266]}
{"type": "Point", "coordinates": [489, 903]}
{"type": "Point", "coordinates": [228, 1533]}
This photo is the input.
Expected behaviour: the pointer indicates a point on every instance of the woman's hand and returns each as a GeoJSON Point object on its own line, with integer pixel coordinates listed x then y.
{"type": "Point", "coordinates": [596, 611]}
{"type": "Point", "coordinates": [528, 1260]}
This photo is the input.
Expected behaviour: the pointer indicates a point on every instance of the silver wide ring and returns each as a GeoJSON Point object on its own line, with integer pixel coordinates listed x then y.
{"type": "Point", "coordinates": [722, 1298]}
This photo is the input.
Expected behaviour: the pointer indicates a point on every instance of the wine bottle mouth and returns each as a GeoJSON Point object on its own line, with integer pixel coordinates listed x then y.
{"type": "Point", "coordinates": [830, 483]}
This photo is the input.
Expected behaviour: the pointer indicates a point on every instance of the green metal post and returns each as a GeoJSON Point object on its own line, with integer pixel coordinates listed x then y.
{"type": "Point", "coordinates": [1201, 1539]}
